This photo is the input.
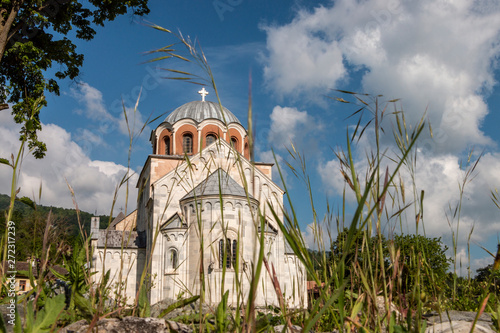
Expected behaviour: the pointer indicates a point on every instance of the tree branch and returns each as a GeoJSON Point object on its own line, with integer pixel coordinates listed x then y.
{"type": "Point", "coordinates": [5, 28]}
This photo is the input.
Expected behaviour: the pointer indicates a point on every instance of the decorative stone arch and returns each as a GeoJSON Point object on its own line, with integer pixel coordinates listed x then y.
{"type": "Point", "coordinates": [257, 184]}
{"type": "Point", "coordinates": [207, 207]}
{"type": "Point", "coordinates": [183, 132]}
{"type": "Point", "coordinates": [228, 246]}
{"type": "Point", "coordinates": [228, 205]}
{"type": "Point", "coordinates": [234, 133]}
{"type": "Point", "coordinates": [165, 142]}
{"type": "Point", "coordinates": [213, 130]}
{"type": "Point", "coordinates": [246, 149]}
{"type": "Point", "coordinates": [266, 192]}
{"type": "Point", "coordinates": [171, 260]}
{"type": "Point", "coordinates": [164, 189]}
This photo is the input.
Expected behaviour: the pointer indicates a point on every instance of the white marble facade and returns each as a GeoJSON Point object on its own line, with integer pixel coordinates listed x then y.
{"type": "Point", "coordinates": [198, 217]}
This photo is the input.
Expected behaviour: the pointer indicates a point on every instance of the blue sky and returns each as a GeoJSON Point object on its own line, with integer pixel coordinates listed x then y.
{"type": "Point", "coordinates": [436, 56]}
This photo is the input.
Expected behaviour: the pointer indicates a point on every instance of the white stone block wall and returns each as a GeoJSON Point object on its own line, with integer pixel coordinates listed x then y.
{"type": "Point", "coordinates": [125, 267]}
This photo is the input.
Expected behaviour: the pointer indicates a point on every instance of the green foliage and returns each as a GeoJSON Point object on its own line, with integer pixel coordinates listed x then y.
{"type": "Point", "coordinates": [78, 277]}
{"type": "Point", "coordinates": [30, 226]}
{"type": "Point", "coordinates": [221, 314]}
{"type": "Point", "coordinates": [34, 38]}
{"type": "Point", "coordinates": [426, 256]}
{"type": "Point", "coordinates": [143, 302]}
{"type": "Point", "coordinates": [179, 304]}
{"type": "Point", "coordinates": [45, 319]}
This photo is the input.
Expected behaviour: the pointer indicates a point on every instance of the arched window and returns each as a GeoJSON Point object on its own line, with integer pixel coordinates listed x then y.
{"type": "Point", "coordinates": [234, 252]}
{"type": "Point", "coordinates": [210, 138]}
{"type": "Point", "coordinates": [227, 253]}
{"type": "Point", "coordinates": [187, 143]}
{"type": "Point", "coordinates": [234, 142]}
{"type": "Point", "coordinates": [166, 140]}
{"type": "Point", "coordinates": [221, 253]}
{"type": "Point", "coordinates": [171, 261]}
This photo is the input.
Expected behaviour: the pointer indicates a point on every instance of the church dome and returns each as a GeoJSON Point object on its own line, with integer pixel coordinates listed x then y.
{"type": "Point", "coordinates": [202, 110]}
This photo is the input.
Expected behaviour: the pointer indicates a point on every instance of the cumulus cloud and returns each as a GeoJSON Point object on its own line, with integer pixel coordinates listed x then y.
{"type": "Point", "coordinates": [435, 55]}
{"type": "Point", "coordinates": [441, 177]}
{"type": "Point", "coordinates": [93, 182]}
{"type": "Point", "coordinates": [92, 100]}
{"type": "Point", "coordinates": [94, 108]}
{"type": "Point", "coordinates": [288, 125]}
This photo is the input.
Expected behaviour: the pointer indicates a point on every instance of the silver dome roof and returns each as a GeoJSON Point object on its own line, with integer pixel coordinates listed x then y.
{"type": "Point", "coordinates": [201, 110]}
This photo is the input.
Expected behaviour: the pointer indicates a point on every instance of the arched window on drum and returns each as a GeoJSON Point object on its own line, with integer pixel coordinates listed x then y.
{"type": "Point", "coordinates": [166, 141]}
{"type": "Point", "coordinates": [209, 139]}
{"type": "Point", "coordinates": [187, 143]}
{"type": "Point", "coordinates": [234, 142]}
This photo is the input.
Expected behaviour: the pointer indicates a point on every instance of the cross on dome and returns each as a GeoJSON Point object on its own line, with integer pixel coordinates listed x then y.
{"type": "Point", "coordinates": [203, 93]}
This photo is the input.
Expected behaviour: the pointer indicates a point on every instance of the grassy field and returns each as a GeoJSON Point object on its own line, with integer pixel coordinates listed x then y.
{"type": "Point", "coordinates": [367, 279]}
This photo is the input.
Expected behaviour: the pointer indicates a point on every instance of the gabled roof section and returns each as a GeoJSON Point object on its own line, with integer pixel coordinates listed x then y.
{"type": "Point", "coordinates": [174, 222]}
{"type": "Point", "coordinates": [268, 227]}
{"type": "Point", "coordinates": [219, 182]}
{"type": "Point", "coordinates": [288, 248]}
{"type": "Point", "coordinates": [117, 219]}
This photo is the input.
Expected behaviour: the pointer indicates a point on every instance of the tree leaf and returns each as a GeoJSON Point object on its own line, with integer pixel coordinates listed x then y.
{"type": "Point", "coordinates": [27, 201]}
{"type": "Point", "coordinates": [179, 304]}
{"type": "Point", "coordinates": [48, 315]}
{"type": "Point", "coordinates": [4, 161]}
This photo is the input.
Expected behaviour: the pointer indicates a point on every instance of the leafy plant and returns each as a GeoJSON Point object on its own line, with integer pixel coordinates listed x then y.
{"type": "Point", "coordinates": [29, 48]}
{"type": "Point", "coordinates": [46, 318]}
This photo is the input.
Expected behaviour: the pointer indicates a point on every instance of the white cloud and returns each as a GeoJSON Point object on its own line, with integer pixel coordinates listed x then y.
{"type": "Point", "coordinates": [93, 182]}
{"type": "Point", "coordinates": [299, 60]}
{"type": "Point", "coordinates": [92, 100]}
{"type": "Point", "coordinates": [319, 236]}
{"type": "Point", "coordinates": [134, 122]}
{"type": "Point", "coordinates": [436, 56]}
{"type": "Point", "coordinates": [94, 108]}
{"type": "Point", "coordinates": [287, 125]}
{"type": "Point", "coordinates": [440, 177]}
{"type": "Point", "coordinates": [433, 54]}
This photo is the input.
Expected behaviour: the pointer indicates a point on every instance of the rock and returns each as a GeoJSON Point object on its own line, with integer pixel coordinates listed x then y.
{"type": "Point", "coordinates": [458, 326]}
{"type": "Point", "coordinates": [74, 327]}
{"type": "Point", "coordinates": [189, 309]}
{"type": "Point", "coordinates": [484, 319]}
{"type": "Point", "coordinates": [380, 303]}
{"type": "Point", "coordinates": [125, 325]}
{"type": "Point", "coordinates": [280, 328]}
{"type": "Point", "coordinates": [178, 327]}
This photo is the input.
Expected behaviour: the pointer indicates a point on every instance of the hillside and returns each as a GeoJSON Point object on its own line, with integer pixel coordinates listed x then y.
{"type": "Point", "coordinates": [30, 226]}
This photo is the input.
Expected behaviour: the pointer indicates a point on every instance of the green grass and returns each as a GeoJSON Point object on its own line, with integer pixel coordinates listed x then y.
{"type": "Point", "coordinates": [359, 266]}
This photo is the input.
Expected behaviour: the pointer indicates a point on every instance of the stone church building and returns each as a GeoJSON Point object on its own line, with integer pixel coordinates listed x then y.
{"type": "Point", "coordinates": [198, 219]}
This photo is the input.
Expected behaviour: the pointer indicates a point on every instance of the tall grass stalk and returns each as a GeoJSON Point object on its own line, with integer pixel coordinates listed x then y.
{"type": "Point", "coordinates": [356, 273]}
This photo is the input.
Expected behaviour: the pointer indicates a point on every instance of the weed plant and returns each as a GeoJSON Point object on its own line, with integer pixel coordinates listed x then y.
{"type": "Point", "coordinates": [367, 279]}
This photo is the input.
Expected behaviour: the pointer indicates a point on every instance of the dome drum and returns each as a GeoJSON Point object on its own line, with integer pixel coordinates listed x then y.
{"type": "Point", "coordinates": [195, 124]}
